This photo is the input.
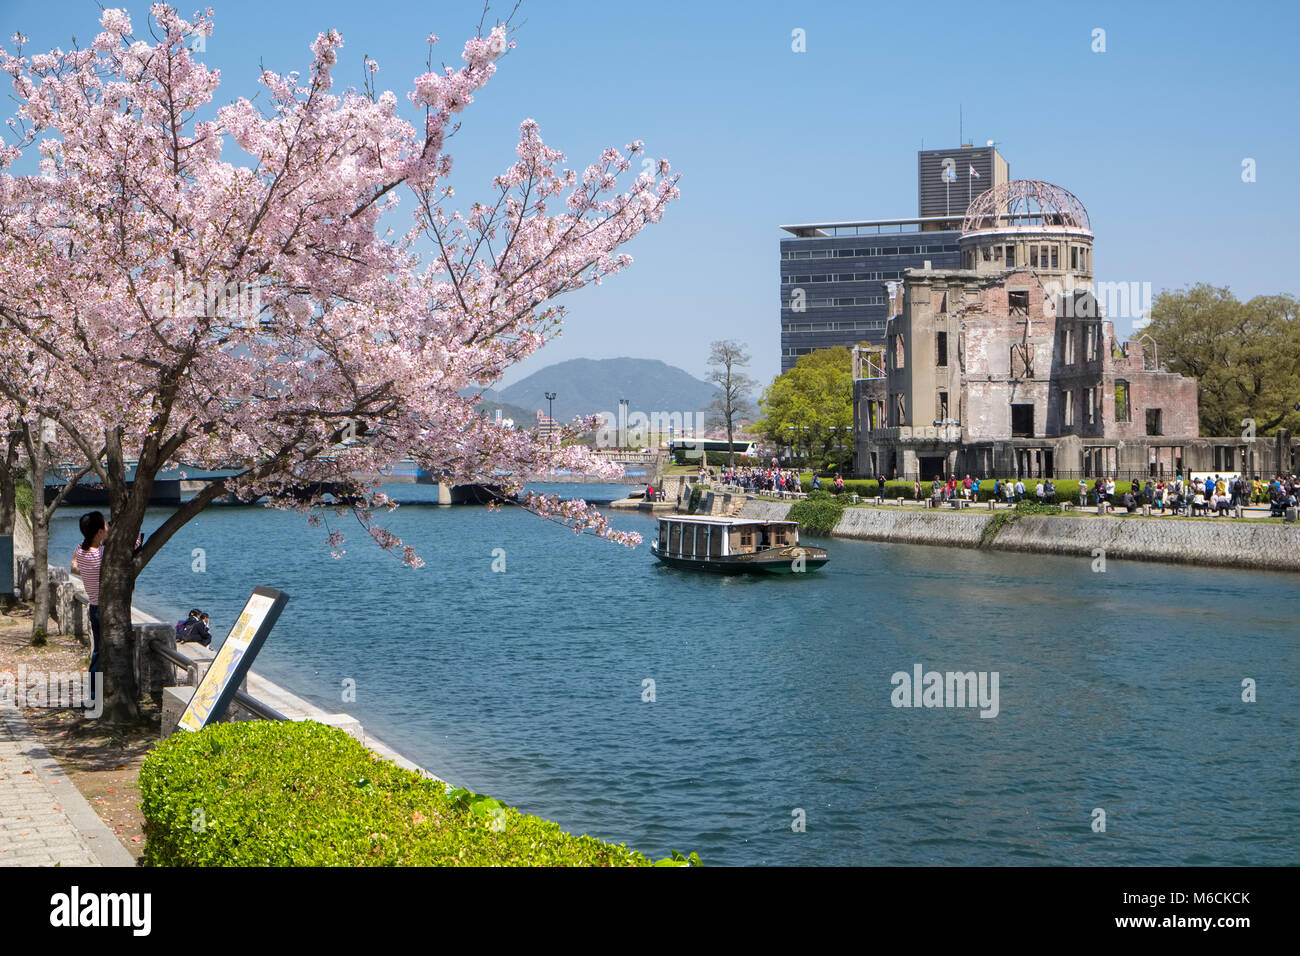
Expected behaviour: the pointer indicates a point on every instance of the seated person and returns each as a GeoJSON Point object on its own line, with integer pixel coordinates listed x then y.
{"type": "Point", "coordinates": [1129, 501]}
{"type": "Point", "coordinates": [1198, 504]}
{"type": "Point", "coordinates": [195, 630]}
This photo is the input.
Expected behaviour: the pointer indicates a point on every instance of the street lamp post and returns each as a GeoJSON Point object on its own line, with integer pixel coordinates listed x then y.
{"type": "Point", "coordinates": [550, 416]}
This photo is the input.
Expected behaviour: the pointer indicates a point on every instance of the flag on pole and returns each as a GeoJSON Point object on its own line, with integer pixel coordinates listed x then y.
{"type": "Point", "coordinates": [973, 173]}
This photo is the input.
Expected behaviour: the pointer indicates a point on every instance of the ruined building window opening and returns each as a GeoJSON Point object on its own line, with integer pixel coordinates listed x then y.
{"type": "Point", "coordinates": [1227, 458]}
{"type": "Point", "coordinates": [1022, 361]}
{"type": "Point", "coordinates": [1011, 256]}
{"type": "Point", "coordinates": [986, 253]}
{"type": "Point", "coordinates": [941, 407]}
{"type": "Point", "coordinates": [1018, 301]}
{"type": "Point", "coordinates": [1123, 411]}
{"type": "Point", "coordinates": [997, 253]}
{"type": "Point", "coordinates": [1067, 409]}
{"type": "Point", "coordinates": [1093, 342]}
{"type": "Point", "coordinates": [1056, 257]}
{"type": "Point", "coordinates": [1022, 420]}
{"type": "Point", "coordinates": [941, 349]}
{"type": "Point", "coordinates": [1154, 424]}
{"type": "Point", "coordinates": [1074, 257]}
{"type": "Point", "coordinates": [900, 408]}
{"type": "Point", "coordinates": [898, 350]}
{"type": "Point", "coordinates": [1033, 256]}
{"type": "Point", "coordinates": [1067, 347]}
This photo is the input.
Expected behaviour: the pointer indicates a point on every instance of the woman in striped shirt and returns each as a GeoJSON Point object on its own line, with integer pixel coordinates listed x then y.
{"type": "Point", "coordinates": [86, 561]}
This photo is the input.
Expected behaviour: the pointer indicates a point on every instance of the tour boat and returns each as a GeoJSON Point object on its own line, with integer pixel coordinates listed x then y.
{"type": "Point", "coordinates": [734, 546]}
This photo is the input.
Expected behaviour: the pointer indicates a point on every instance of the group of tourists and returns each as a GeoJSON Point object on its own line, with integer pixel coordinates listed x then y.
{"type": "Point", "coordinates": [769, 480]}
{"type": "Point", "coordinates": [1215, 495]}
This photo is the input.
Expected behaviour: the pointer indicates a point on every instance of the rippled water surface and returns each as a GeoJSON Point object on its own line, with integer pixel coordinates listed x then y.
{"type": "Point", "coordinates": [1120, 691]}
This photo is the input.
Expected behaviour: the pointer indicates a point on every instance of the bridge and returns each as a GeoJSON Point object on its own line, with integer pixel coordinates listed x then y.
{"type": "Point", "coordinates": [174, 485]}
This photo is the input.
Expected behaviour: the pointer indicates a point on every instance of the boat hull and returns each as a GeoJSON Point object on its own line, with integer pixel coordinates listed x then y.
{"type": "Point", "coordinates": [795, 559]}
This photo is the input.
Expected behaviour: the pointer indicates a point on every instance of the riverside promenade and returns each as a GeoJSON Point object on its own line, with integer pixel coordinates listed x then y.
{"type": "Point", "coordinates": [1201, 541]}
{"type": "Point", "coordinates": [44, 819]}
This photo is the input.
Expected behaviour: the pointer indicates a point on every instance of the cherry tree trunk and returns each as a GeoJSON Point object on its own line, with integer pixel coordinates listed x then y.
{"type": "Point", "coordinates": [116, 588]}
{"type": "Point", "coordinates": [9, 489]}
{"type": "Point", "coordinates": [40, 551]}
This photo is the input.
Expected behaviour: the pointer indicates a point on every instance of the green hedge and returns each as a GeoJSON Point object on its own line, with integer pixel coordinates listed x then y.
{"type": "Point", "coordinates": [271, 793]}
{"type": "Point", "coordinates": [820, 512]}
{"type": "Point", "coordinates": [1066, 489]}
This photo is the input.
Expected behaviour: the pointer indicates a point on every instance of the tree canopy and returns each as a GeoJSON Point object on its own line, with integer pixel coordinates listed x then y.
{"type": "Point", "coordinates": [811, 405]}
{"type": "Point", "coordinates": [164, 306]}
{"type": "Point", "coordinates": [1245, 356]}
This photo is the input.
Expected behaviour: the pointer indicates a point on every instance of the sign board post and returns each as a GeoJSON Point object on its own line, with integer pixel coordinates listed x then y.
{"type": "Point", "coordinates": [229, 668]}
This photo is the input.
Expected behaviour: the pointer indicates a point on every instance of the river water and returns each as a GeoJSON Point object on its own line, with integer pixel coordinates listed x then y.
{"type": "Point", "coordinates": [773, 698]}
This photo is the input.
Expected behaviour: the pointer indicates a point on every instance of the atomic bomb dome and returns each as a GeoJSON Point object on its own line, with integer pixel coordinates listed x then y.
{"type": "Point", "coordinates": [1025, 204]}
{"type": "Point", "coordinates": [1026, 222]}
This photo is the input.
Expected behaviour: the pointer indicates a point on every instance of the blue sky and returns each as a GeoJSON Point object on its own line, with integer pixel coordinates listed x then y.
{"type": "Point", "coordinates": [1150, 135]}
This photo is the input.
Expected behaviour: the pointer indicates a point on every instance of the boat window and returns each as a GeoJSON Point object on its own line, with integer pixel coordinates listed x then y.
{"type": "Point", "coordinates": [675, 537]}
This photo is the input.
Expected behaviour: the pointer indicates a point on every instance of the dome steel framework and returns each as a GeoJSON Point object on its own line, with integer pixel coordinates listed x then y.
{"type": "Point", "coordinates": [1025, 202]}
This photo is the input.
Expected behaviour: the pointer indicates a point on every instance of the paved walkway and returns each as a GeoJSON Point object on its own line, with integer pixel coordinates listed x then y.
{"type": "Point", "coordinates": [44, 819]}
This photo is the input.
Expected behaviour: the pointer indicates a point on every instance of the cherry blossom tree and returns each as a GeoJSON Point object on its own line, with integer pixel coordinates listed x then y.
{"type": "Point", "coordinates": [275, 314]}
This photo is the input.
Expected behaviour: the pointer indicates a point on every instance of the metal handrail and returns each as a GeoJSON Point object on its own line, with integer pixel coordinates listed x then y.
{"type": "Point", "coordinates": [252, 704]}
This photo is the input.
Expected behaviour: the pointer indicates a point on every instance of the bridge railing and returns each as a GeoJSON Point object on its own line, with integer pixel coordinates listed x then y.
{"type": "Point", "coordinates": [615, 455]}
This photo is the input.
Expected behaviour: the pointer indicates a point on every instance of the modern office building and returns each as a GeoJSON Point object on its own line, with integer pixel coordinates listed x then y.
{"type": "Point", "coordinates": [833, 274]}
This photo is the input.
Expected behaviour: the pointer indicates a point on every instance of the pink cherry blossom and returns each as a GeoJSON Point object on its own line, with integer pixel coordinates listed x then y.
{"type": "Point", "coordinates": [235, 289]}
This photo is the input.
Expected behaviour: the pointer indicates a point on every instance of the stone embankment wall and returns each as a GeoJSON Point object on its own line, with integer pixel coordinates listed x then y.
{"type": "Point", "coordinates": [1223, 542]}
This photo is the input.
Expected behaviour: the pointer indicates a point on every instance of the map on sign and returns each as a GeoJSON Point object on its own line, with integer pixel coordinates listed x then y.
{"type": "Point", "coordinates": [232, 662]}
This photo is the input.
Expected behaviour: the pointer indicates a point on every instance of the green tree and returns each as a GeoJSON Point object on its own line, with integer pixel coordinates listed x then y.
{"type": "Point", "coordinates": [1245, 356]}
{"type": "Point", "coordinates": [811, 405]}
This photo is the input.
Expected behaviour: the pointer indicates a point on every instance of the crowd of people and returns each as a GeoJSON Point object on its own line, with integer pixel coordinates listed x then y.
{"type": "Point", "coordinates": [1192, 496]}
{"type": "Point", "coordinates": [1211, 495]}
{"type": "Point", "coordinates": [769, 480]}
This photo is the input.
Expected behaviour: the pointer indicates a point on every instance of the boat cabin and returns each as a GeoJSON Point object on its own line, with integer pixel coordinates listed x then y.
{"type": "Point", "coordinates": [691, 537]}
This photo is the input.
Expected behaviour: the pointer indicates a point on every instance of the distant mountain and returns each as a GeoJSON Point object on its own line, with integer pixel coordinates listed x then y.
{"type": "Point", "coordinates": [590, 386]}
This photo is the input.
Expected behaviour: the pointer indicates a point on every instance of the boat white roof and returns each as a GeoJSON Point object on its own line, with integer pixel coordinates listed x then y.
{"type": "Point", "coordinates": [707, 519]}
